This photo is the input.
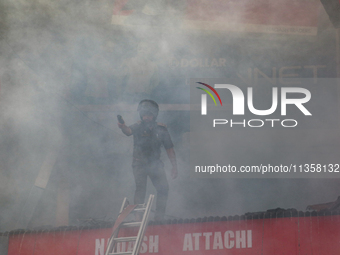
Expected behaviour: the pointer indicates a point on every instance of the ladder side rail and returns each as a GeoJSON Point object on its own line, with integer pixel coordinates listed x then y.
{"type": "Point", "coordinates": [123, 205]}
{"type": "Point", "coordinates": [110, 246]}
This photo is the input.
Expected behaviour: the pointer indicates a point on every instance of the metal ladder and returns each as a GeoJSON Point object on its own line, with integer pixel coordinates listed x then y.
{"type": "Point", "coordinates": [126, 210]}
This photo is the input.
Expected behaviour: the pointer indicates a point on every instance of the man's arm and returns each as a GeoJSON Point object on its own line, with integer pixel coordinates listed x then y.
{"type": "Point", "coordinates": [125, 129]}
{"type": "Point", "coordinates": [172, 157]}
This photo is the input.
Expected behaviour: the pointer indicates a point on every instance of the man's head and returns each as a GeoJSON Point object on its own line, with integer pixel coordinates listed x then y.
{"type": "Point", "coordinates": [148, 110]}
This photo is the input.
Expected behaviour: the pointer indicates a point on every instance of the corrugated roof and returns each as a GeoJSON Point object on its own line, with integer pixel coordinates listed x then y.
{"type": "Point", "coordinates": [272, 213]}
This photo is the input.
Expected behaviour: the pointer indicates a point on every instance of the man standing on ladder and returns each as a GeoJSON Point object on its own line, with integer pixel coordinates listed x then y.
{"type": "Point", "coordinates": [148, 136]}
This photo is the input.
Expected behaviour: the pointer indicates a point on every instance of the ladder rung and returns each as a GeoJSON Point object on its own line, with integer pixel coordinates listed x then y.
{"type": "Point", "coordinates": [140, 209]}
{"type": "Point", "coordinates": [126, 239]}
{"type": "Point", "coordinates": [121, 253]}
{"type": "Point", "coordinates": [131, 224]}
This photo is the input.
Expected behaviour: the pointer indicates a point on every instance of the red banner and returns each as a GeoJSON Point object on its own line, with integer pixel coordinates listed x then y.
{"type": "Point", "coordinates": [261, 16]}
{"type": "Point", "coordinates": [295, 235]}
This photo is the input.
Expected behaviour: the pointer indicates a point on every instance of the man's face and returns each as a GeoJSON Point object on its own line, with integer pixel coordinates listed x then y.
{"type": "Point", "coordinates": [147, 118]}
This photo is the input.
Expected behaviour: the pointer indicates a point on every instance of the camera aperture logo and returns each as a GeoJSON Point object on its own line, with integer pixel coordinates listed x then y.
{"type": "Point", "coordinates": [204, 97]}
{"type": "Point", "coordinates": [239, 105]}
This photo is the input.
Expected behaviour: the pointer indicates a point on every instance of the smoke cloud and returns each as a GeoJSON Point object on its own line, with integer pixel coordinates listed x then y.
{"type": "Point", "coordinates": [69, 67]}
